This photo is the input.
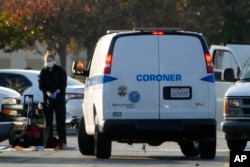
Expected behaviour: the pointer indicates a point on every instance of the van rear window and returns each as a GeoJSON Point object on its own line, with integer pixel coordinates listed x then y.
{"type": "Point", "coordinates": [152, 54]}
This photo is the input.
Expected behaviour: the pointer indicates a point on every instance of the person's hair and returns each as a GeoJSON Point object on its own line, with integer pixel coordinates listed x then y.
{"type": "Point", "coordinates": [50, 54]}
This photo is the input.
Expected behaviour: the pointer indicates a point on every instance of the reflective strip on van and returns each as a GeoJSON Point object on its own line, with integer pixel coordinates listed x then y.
{"type": "Point", "coordinates": [100, 79]}
{"type": "Point", "coordinates": [209, 78]}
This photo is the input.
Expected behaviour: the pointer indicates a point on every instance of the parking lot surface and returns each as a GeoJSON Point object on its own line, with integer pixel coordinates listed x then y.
{"type": "Point", "coordinates": [167, 154]}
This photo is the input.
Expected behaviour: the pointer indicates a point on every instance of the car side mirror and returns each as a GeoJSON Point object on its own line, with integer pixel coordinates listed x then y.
{"type": "Point", "coordinates": [78, 68]}
{"type": "Point", "coordinates": [228, 75]}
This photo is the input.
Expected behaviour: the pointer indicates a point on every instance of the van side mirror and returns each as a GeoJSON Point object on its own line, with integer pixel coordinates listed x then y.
{"type": "Point", "coordinates": [78, 68]}
{"type": "Point", "coordinates": [228, 75]}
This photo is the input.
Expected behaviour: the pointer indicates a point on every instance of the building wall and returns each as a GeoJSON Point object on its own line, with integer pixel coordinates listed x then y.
{"type": "Point", "coordinates": [22, 59]}
{"type": "Point", "coordinates": [4, 63]}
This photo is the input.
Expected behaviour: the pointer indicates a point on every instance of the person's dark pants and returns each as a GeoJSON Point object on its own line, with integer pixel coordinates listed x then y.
{"type": "Point", "coordinates": [57, 106]}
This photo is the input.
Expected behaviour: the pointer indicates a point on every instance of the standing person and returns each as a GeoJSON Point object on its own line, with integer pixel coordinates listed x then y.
{"type": "Point", "coordinates": [53, 82]}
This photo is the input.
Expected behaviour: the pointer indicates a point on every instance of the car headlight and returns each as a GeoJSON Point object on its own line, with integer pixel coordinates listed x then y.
{"type": "Point", "coordinates": [233, 102]}
{"type": "Point", "coordinates": [9, 112]}
{"type": "Point", "coordinates": [70, 96]}
{"type": "Point", "coordinates": [9, 100]}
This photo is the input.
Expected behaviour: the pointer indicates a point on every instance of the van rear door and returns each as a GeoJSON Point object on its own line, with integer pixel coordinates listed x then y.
{"type": "Point", "coordinates": [182, 92]}
{"type": "Point", "coordinates": [134, 62]}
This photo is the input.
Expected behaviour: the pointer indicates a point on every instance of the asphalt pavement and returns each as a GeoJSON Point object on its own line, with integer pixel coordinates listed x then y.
{"type": "Point", "coordinates": [167, 154]}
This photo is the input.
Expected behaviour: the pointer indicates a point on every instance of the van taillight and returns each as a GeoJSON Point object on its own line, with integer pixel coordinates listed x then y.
{"type": "Point", "coordinates": [107, 68]}
{"type": "Point", "coordinates": [209, 63]}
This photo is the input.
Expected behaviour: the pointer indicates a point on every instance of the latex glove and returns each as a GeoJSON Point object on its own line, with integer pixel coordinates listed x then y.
{"type": "Point", "coordinates": [54, 95]}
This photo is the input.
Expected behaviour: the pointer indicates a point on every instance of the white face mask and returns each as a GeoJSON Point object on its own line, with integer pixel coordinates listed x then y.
{"type": "Point", "coordinates": [50, 64]}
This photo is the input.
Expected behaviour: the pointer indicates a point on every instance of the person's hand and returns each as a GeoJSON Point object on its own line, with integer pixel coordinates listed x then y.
{"type": "Point", "coordinates": [54, 95]}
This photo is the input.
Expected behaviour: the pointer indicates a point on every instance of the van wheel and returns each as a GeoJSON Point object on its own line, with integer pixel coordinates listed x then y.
{"type": "Point", "coordinates": [103, 145]}
{"type": "Point", "coordinates": [85, 141]}
{"type": "Point", "coordinates": [208, 149]}
{"type": "Point", "coordinates": [236, 145]}
{"type": "Point", "coordinates": [189, 148]}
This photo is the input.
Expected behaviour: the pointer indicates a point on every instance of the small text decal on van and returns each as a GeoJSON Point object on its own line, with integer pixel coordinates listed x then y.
{"type": "Point", "coordinates": [158, 77]}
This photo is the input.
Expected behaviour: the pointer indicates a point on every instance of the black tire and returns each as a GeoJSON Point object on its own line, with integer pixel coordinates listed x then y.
{"type": "Point", "coordinates": [12, 142]}
{"type": "Point", "coordinates": [189, 147]}
{"type": "Point", "coordinates": [85, 141]}
{"type": "Point", "coordinates": [236, 145]}
{"type": "Point", "coordinates": [208, 149]}
{"type": "Point", "coordinates": [103, 145]}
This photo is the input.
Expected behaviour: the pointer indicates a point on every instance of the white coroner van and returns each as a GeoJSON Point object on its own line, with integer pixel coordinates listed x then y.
{"type": "Point", "coordinates": [149, 85]}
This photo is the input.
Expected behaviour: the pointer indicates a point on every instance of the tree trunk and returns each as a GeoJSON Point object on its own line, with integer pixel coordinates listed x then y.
{"type": "Point", "coordinates": [62, 54]}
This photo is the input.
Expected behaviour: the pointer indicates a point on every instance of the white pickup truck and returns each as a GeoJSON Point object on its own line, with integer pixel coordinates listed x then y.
{"type": "Point", "coordinates": [226, 57]}
{"type": "Point", "coordinates": [12, 120]}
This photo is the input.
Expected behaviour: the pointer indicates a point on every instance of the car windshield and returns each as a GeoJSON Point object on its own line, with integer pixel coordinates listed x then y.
{"type": "Point", "coordinates": [71, 81]}
{"type": "Point", "coordinates": [245, 74]}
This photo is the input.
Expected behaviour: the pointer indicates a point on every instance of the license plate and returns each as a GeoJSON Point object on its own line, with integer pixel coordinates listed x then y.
{"type": "Point", "coordinates": [180, 93]}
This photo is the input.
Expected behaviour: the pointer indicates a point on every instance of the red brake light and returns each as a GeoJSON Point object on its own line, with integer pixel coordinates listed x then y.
{"type": "Point", "coordinates": [209, 63]}
{"type": "Point", "coordinates": [107, 68]}
{"type": "Point", "coordinates": [157, 32]}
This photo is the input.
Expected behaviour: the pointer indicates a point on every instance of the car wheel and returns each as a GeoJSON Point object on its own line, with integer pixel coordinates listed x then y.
{"type": "Point", "coordinates": [236, 145]}
{"type": "Point", "coordinates": [208, 149]}
{"type": "Point", "coordinates": [85, 141]}
{"type": "Point", "coordinates": [103, 145]}
{"type": "Point", "coordinates": [189, 147]}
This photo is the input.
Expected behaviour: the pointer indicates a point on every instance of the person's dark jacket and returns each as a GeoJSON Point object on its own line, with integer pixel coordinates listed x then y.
{"type": "Point", "coordinates": [53, 80]}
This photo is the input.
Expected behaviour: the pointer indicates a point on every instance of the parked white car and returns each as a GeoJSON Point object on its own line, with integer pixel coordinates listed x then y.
{"type": "Point", "coordinates": [26, 81]}
{"type": "Point", "coordinates": [12, 121]}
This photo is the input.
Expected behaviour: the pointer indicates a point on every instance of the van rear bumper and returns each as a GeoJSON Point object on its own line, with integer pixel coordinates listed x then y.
{"type": "Point", "coordinates": [165, 130]}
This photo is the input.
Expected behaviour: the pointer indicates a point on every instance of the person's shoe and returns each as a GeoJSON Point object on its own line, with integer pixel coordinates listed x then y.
{"type": "Point", "coordinates": [60, 145]}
